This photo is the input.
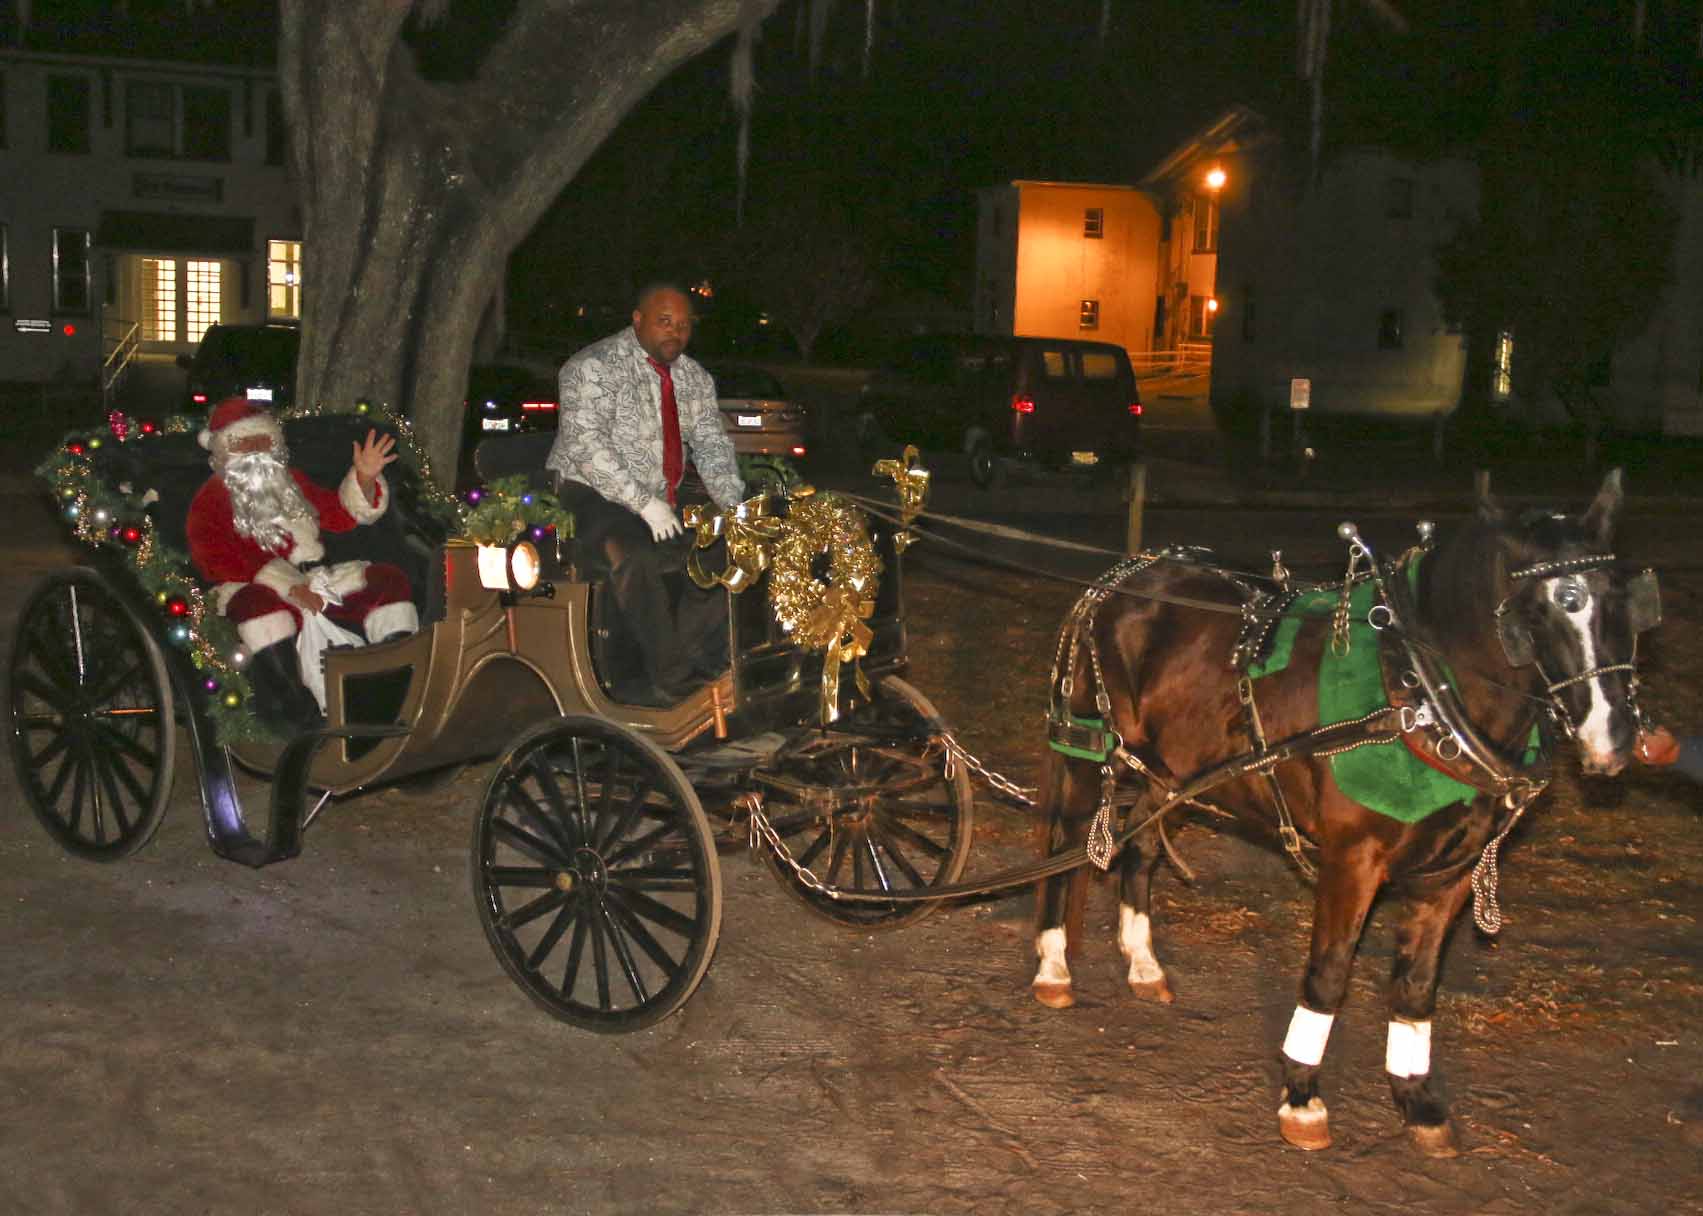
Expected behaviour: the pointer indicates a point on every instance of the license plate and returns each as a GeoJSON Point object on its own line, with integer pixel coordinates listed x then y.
{"type": "Point", "coordinates": [260, 394]}
{"type": "Point", "coordinates": [750, 419]}
{"type": "Point", "coordinates": [1085, 458]}
{"type": "Point", "coordinates": [494, 424]}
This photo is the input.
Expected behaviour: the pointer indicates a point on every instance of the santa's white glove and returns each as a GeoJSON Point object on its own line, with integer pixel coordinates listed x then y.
{"type": "Point", "coordinates": [663, 522]}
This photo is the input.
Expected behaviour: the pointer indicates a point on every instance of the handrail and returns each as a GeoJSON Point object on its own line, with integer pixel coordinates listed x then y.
{"type": "Point", "coordinates": [124, 350]}
{"type": "Point", "coordinates": [1186, 357]}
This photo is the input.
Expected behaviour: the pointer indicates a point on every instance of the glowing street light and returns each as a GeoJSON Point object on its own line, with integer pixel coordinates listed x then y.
{"type": "Point", "coordinates": [1215, 178]}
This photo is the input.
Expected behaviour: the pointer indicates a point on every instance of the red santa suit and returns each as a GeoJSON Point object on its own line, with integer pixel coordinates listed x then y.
{"type": "Point", "coordinates": [251, 582]}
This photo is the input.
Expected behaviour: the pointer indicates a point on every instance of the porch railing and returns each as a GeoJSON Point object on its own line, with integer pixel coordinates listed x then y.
{"type": "Point", "coordinates": [121, 352]}
{"type": "Point", "coordinates": [1188, 358]}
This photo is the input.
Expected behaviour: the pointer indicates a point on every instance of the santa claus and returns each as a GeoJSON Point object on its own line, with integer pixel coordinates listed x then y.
{"type": "Point", "coordinates": [254, 534]}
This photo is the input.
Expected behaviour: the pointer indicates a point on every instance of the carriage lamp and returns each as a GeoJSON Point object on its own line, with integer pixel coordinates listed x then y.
{"type": "Point", "coordinates": [511, 567]}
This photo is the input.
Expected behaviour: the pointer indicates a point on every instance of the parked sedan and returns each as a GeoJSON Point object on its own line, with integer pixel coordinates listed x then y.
{"type": "Point", "coordinates": [757, 413]}
{"type": "Point", "coordinates": [253, 361]}
{"type": "Point", "coordinates": [503, 398]}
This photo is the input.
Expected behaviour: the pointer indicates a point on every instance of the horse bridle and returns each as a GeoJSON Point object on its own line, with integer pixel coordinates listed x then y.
{"type": "Point", "coordinates": [1644, 612]}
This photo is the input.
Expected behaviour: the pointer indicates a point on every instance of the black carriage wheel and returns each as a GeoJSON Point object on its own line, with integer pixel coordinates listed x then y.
{"type": "Point", "coordinates": [910, 830]}
{"type": "Point", "coordinates": [595, 875]}
{"type": "Point", "coordinates": [90, 715]}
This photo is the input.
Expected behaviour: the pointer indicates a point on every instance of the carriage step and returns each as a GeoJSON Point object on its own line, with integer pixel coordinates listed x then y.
{"type": "Point", "coordinates": [739, 753]}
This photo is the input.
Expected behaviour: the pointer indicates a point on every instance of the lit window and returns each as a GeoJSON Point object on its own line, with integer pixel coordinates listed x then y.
{"type": "Point", "coordinates": [1054, 366]}
{"type": "Point", "coordinates": [1206, 225]}
{"type": "Point", "coordinates": [1392, 324]}
{"type": "Point", "coordinates": [1094, 223]}
{"type": "Point", "coordinates": [1202, 313]}
{"type": "Point", "coordinates": [201, 297]}
{"type": "Point", "coordinates": [1502, 372]}
{"type": "Point", "coordinates": [70, 270]}
{"type": "Point", "coordinates": [5, 270]}
{"type": "Point", "coordinates": [1090, 315]}
{"type": "Point", "coordinates": [159, 300]}
{"type": "Point", "coordinates": [284, 279]}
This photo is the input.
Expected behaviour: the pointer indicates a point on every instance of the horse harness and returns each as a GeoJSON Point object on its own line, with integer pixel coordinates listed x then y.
{"type": "Point", "coordinates": [1424, 710]}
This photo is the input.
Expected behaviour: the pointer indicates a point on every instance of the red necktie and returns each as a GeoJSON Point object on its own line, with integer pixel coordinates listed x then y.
{"type": "Point", "coordinates": [673, 459]}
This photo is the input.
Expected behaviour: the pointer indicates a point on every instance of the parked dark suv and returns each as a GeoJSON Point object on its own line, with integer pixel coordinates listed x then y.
{"type": "Point", "coordinates": [1051, 402]}
{"type": "Point", "coordinates": [253, 361]}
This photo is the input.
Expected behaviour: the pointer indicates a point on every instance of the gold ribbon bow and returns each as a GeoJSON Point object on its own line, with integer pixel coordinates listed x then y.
{"type": "Point", "coordinates": [911, 481]}
{"type": "Point", "coordinates": [840, 617]}
{"type": "Point", "coordinates": [750, 532]}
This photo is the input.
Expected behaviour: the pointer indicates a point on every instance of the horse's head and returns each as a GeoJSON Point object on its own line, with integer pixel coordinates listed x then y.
{"type": "Point", "coordinates": [1571, 611]}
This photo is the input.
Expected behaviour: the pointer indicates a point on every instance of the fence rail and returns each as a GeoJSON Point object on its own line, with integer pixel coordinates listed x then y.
{"type": "Point", "coordinates": [118, 360]}
{"type": "Point", "coordinates": [1190, 357]}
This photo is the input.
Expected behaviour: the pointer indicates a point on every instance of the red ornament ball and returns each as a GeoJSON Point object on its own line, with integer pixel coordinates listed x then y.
{"type": "Point", "coordinates": [176, 605]}
{"type": "Point", "coordinates": [131, 535]}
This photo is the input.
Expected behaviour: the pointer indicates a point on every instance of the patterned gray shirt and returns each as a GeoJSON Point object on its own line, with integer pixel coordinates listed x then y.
{"type": "Point", "coordinates": [610, 433]}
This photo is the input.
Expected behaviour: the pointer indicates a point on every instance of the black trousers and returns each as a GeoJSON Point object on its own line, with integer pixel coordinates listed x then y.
{"type": "Point", "coordinates": [679, 638]}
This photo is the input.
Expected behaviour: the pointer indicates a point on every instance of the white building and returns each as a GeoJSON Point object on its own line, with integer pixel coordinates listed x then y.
{"type": "Point", "coordinates": [140, 202]}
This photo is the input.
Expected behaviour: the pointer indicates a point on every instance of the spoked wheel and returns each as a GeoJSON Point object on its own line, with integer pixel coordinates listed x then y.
{"type": "Point", "coordinates": [596, 875]}
{"type": "Point", "coordinates": [867, 805]}
{"type": "Point", "coordinates": [92, 732]}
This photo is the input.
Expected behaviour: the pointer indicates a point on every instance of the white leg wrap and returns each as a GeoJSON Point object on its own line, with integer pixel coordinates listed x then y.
{"type": "Point", "coordinates": [1408, 1053]}
{"type": "Point", "coordinates": [1135, 939]}
{"type": "Point", "coordinates": [1049, 945]}
{"type": "Point", "coordinates": [1308, 1031]}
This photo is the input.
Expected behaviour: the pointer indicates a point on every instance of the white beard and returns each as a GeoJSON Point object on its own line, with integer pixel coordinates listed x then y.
{"type": "Point", "coordinates": [264, 497]}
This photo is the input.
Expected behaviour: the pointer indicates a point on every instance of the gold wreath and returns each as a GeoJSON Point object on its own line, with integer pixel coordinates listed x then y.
{"type": "Point", "coordinates": [826, 616]}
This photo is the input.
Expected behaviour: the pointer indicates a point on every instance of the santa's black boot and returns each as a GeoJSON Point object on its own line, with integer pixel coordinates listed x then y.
{"type": "Point", "coordinates": [280, 697]}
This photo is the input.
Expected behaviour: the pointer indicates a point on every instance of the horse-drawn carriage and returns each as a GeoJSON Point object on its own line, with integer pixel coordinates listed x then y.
{"type": "Point", "coordinates": [594, 865]}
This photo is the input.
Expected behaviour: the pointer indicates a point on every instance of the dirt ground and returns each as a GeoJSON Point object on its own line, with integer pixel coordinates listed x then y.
{"type": "Point", "coordinates": [333, 1035]}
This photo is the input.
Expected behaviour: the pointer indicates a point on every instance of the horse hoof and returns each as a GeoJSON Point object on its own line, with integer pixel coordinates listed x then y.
{"type": "Point", "coordinates": [1054, 996]}
{"type": "Point", "coordinates": [1434, 1139]}
{"type": "Point", "coordinates": [1306, 1126]}
{"type": "Point", "coordinates": [1152, 990]}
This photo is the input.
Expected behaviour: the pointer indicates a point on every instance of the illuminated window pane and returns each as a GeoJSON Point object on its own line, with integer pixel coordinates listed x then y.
{"type": "Point", "coordinates": [159, 300]}
{"type": "Point", "coordinates": [201, 303]}
{"type": "Point", "coordinates": [1089, 315]}
{"type": "Point", "coordinates": [1502, 377]}
{"type": "Point", "coordinates": [1094, 223]}
{"type": "Point", "coordinates": [284, 279]}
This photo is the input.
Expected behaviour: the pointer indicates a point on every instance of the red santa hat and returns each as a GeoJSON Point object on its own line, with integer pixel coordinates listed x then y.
{"type": "Point", "coordinates": [235, 418]}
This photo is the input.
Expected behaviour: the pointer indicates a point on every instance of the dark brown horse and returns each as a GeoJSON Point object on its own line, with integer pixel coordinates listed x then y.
{"type": "Point", "coordinates": [1507, 621]}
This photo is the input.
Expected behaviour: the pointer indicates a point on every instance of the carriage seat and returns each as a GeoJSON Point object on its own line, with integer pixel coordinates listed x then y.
{"type": "Point", "coordinates": [175, 468]}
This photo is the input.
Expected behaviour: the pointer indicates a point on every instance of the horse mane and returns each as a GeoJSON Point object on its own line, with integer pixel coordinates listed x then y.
{"type": "Point", "coordinates": [1460, 583]}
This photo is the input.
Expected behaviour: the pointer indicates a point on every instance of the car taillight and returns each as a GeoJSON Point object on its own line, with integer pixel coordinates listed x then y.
{"type": "Point", "coordinates": [1023, 403]}
{"type": "Point", "coordinates": [537, 405]}
{"type": "Point", "coordinates": [1135, 409]}
{"type": "Point", "coordinates": [199, 398]}
{"type": "Point", "coordinates": [798, 449]}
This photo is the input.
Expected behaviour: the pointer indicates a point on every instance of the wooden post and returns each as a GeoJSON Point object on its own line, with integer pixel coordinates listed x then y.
{"type": "Point", "coordinates": [1480, 485]}
{"type": "Point", "coordinates": [1137, 505]}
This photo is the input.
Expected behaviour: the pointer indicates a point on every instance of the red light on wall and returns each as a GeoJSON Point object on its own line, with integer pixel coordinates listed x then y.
{"type": "Point", "coordinates": [1023, 403]}
{"type": "Point", "coordinates": [538, 405]}
{"type": "Point", "coordinates": [1135, 409]}
{"type": "Point", "coordinates": [68, 329]}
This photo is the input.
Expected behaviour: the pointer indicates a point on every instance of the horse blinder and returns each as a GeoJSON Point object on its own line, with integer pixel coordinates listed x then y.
{"type": "Point", "coordinates": [1517, 645]}
{"type": "Point", "coordinates": [1643, 601]}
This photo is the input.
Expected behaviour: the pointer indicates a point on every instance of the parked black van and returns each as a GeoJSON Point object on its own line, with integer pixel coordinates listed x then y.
{"type": "Point", "coordinates": [1051, 402]}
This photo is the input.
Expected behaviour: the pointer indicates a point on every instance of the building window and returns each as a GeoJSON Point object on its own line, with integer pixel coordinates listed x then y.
{"type": "Point", "coordinates": [1206, 225]}
{"type": "Point", "coordinates": [168, 120]}
{"type": "Point", "coordinates": [201, 297]}
{"type": "Point", "coordinates": [284, 279]}
{"type": "Point", "coordinates": [276, 143]}
{"type": "Point", "coordinates": [159, 300]}
{"type": "Point", "coordinates": [70, 270]}
{"type": "Point", "coordinates": [1090, 315]}
{"type": "Point", "coordinates": [1094, 223]}
{"type": "Point", "coordinates": [1398, 198]}
{"type": "Point", "coordinates": [1392, 322]}
{"type": "Point", "coordinates": [1502, 369]}
{"type": "Point", "coordinates": [1054, 366]}
{"type": "Point", "coordinates": [5, 269]}
{"type": "Point", "coordinates": [68, 114]}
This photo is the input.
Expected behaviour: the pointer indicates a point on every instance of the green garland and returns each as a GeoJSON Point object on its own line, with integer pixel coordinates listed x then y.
{"type": "Point", "coordinates": [115, 518]}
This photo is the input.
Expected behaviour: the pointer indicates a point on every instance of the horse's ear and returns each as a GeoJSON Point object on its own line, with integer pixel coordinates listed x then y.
{"type": "Point", "coordinates": [1605, 510]}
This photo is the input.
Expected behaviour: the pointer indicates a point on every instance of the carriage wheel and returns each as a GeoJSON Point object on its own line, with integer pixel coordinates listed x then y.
{"type": "Point", "coordinates": [595, 875]}
{"type": "Point", "coordinates": [897, 821]}
{"type": "Point", "coordinates": [92, 730]}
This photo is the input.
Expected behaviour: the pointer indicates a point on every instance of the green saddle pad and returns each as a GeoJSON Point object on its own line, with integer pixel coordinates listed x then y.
{"type": "Point", "coordinates": [1383, 777]}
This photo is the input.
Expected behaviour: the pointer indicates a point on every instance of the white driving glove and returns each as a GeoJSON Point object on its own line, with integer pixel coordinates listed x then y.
{"type": "Point", "coordinates": [663, 522]}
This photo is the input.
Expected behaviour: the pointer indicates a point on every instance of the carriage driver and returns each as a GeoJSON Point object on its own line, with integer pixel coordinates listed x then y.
{"type": "Point", "coordinates": [633, 407]}
{"type": "Point", "coordinates": [254, 535]}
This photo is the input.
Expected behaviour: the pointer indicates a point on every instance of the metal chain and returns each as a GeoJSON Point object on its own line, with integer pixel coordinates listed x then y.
{"type": "Point", "coordinates": [1486, 911]}
{"type": "Point", "coordinates": [956, 751]}
{"type": "Point", "coordinates": [762, 831]}
{"type": "Point", "coordinates": [1100, 845]}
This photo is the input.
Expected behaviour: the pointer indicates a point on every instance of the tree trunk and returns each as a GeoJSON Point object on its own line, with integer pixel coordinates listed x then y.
{"type": "Point", "coordinates": [415, 192]}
